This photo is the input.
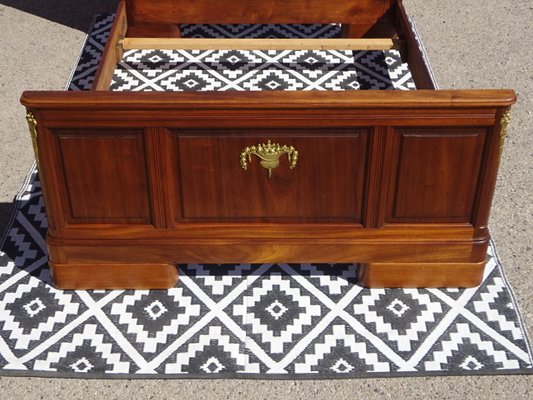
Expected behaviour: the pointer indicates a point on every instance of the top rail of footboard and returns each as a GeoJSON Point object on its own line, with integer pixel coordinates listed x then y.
{"type": "Point", "coordinates": [270, 100]}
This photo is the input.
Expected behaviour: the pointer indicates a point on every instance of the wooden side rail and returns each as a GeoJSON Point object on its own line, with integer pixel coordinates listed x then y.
{"type": "Point", "coordinates": [112, 52]}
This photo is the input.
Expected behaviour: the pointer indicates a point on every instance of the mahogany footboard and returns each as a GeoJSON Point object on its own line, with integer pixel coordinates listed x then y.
{"type": "Point", "coordinates": [400, 182]}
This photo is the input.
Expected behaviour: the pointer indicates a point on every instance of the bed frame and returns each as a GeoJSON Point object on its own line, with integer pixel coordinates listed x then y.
{"type": "Point", "coordinates": [399, 182]}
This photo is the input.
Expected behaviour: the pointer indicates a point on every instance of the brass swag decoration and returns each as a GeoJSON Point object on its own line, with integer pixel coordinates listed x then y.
{"type": "Point", "coordinates": [504, 124]}
{"type": "Point", "coordinates": [32, 124]}
{"type": "Point", "coordinates": [269, 154]}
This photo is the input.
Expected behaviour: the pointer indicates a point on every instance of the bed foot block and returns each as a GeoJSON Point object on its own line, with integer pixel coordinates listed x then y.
{"type": "Point", "coordinates": [114, 276]}
{"type": "Point", "coordinates": [416, 275]}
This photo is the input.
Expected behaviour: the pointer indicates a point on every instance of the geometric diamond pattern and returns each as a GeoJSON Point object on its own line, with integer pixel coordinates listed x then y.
{"type": "Point", "coordinates": [333, 279]}
{"type": "Point", "coordinates": [85, 352]}
{"type": "Point", "coordinates": [211, 353]}
{"type": "Point", "coordinates": [341, 353]}
{"type": "Point", "coordinates": [32, 310]}
{"type": "Point", "coordinates": [275, 312]}
{"type": "Point", "coordinates": [281, 320]}
{"type": "Point", "coordinates": [153, 317]}
{"type": "Point", "coordinates": [399, 315]}
{"type": "Point", "coordinates": [496, 305]}
{"type": "Point", "coordinates": [254, 70]}
{"type": "Point", "coordinates": [279, 31]}
{"type": "Point", "coordinates": [466, 349]}
{"type": "Point", "coordinates": [249, 320]}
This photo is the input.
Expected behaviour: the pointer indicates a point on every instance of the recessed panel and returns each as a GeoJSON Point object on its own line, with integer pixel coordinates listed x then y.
{"type": "Point", "coordinates": [436, 176]}
{"type": "Point", "coordinates": [324, 185]}
{"type": "Point", "coordinates": [105, 176]}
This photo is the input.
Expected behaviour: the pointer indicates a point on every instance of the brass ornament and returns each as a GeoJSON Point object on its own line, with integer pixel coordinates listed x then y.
{"type": "Point", "coordinates": [32, 124]}
{"type": "Point", "coordinates": [504, 124]}
{"type": "Point", "coordinates": [269, 154]}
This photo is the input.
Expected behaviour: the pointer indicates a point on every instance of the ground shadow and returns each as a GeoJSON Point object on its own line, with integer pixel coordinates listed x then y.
{"type": "Point", "coordinates": [6, 211]}
{"type": "Point", "coordinates": [74, 14]}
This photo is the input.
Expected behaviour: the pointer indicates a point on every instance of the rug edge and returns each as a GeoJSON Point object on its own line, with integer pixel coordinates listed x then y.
{"type": "Point", "coordinates": [264, 377]}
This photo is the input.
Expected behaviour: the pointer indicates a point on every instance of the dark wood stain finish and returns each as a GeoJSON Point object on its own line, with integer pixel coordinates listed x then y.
{"type": "Point", "coordinates": [105, 176]}
{"type": "Point", "coordinates": [435, 175]}
{"type": "Point", "coordinates": [256, 11]}
{"type": "Point", "coordinates": [326, 184]}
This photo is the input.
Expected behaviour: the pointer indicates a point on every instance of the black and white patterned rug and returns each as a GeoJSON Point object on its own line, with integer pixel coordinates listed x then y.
{"type": "Point", "coordinates": [224, 70]}
{"type": "Point", "coordinates": [283, 321]}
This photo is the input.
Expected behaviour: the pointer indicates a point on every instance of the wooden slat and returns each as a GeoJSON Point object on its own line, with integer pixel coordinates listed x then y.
{"type": "Point", "coordinates": [257, 44]}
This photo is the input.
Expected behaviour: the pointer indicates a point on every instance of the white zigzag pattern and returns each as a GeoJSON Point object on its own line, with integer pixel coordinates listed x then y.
{"type": "Point", "coordinates": [267, 336]}
{"type": "Point", "coordinates": [22, 340]}
{"type": "Point", "coordinates": [214, 334]}
{"type": "Point", "coordinates": [217, 284]}
{"type": "Point", "coordinates": [489, 298]}
{"type": "Point", "coordinates": [456, 338]}
{"type": "Point", "coordinates": [131, 82]}
{"type": "Point", "coordinates": [6, 269]}
{"type": "Point", "coordinates": [37, 211]}
{"type": "Point", "coordinates": [334, 285]}
{"type": "Point", "coordinates": [96, 340]}
{"type": "Point", "coordinates": [330, 341]}
{"type": "Point", "coordinates": [411, 334]}
{"type": "Point", "coordinates": [141, 335]}
{"type": "Point", "coordinates": [22, 246]}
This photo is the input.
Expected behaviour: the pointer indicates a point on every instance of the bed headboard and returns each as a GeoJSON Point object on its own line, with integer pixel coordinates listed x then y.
{"type": "Point", "coordinates": [255, 11]}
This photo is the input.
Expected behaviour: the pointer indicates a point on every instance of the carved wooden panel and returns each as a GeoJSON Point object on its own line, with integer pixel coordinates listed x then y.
{"type": "Point", "coordinates": [105, 176]}
{"type": "Point", "coordinates": [435, 174]}
{"type": "Point", "coordinates": [326, 183]}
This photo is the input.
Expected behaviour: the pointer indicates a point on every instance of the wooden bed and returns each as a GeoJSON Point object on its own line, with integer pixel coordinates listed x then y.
{"type": "Point", "coordinates": [400, 182]}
